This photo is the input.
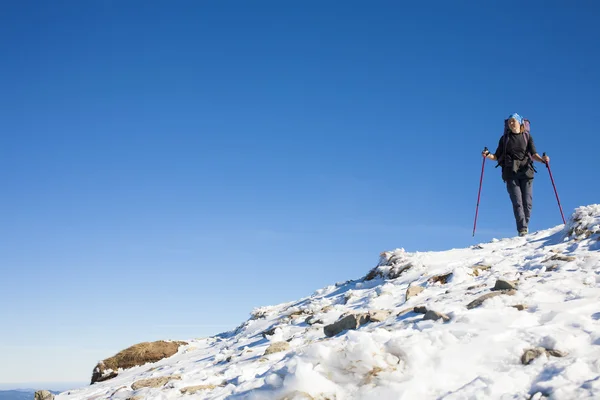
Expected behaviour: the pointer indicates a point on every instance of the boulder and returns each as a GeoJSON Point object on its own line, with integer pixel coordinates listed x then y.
{"type": "Point", "coordinates": [502, 284]}
{"type": "Point", "coordinates": [434, 316]}
{"type": "Point", "coordinates": [413, 291]}
{"type": "Point", "coordinates": [479, 301]}
{"type": "Point", "coordinates": [277, 347]}
{"type": "Point", "coordinates": [43, 395]}
{"type": "Point", "coordinates": [350, 321]}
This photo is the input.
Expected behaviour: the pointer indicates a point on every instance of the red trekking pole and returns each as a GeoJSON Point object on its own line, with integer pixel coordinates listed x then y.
{"type": "Point", "coordinates": [555, 192]}
{"type": "Point", "coordinates": [485, 150]}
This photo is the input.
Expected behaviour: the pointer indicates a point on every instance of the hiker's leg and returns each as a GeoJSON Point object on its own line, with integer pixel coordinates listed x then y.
{"type": "Point", "coordinates": [514, 191]}
{"type": "Point", "coordinates": [527, 195]}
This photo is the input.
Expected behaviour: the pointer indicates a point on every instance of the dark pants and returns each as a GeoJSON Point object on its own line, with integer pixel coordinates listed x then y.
{"type": "Point", "coordinates": [521, 195]}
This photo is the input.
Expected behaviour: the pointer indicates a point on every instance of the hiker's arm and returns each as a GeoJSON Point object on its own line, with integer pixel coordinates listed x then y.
{"type": "Point", "coordinates": [499, 151]}
{"type": "Point", "coordinates": [491, 156]}
{"type": "Point", "coordinates": [538, 158]}
{"type": "Point", "coordinates": [534, 154]}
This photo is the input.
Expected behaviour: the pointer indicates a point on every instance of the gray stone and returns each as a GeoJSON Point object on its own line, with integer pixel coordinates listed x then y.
{"type": "Point", "coordinates": [556, 353]}
{"type": "Point", "coordinates": [531, 354]}
{"type": "Point", "coordinates": [312, 320]}
{"type": "Point", "coordinates": [277, 347]}
{"type": "Point", "coordinates": [420, 310]}
{"type": "Point", "coordinates": [560, 257]}
{"type": "Point", "coordinates": [379, 315]}
{"type": "Point", "coordinates": [43, 395]}
{"type": "Point", "coordinates": [434, 316]}
{"type": "Point", "coordinates": [479, 301]}
{"type": "Point", "coordinates": [413, 291]}
{"type": "Point", "coordinates": [351, 321]}
{"type": "Point", "coordinates": [502, 284]}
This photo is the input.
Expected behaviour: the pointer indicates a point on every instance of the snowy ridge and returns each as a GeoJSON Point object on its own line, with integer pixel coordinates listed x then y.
{"type": "Point", "coordinates": [537, 335]}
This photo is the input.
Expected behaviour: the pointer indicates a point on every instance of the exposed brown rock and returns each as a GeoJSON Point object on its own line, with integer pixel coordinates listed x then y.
{"type": "Point", "coordinates": [479, 301]}
{"type": "Point", "coordinates": [277, 347]}
{"type": "Point", "coordinates": [154, 382]}
{"type": "Point", "coordinates": [139, 354]}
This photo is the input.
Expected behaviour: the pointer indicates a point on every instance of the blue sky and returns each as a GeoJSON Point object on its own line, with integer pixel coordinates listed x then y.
{"type": "Point", "coordinates": [168, 166]}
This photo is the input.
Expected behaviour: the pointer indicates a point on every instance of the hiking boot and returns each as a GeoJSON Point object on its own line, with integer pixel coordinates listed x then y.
{"type": "Point", "coordinates": [523, 232]}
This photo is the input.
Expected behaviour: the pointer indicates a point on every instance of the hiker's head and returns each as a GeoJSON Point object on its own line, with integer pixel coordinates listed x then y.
{"type": "Point", "coordinates": [515, 123]}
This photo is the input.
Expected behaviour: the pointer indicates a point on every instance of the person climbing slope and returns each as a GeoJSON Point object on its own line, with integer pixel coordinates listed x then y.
{"type": "Point", "coordinates": [515, 154]}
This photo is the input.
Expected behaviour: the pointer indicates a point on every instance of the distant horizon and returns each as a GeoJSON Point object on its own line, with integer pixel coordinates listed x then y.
{"type": "Point", "coordinates": [53, 386]}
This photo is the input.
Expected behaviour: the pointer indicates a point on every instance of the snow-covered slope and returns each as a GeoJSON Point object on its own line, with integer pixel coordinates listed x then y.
{"type": "Point", "coordinates": [469, 349]}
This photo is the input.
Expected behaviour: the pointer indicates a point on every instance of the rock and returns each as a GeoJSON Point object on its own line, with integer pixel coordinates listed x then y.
{"type": "Point", "coordinates": [139, 354]}
{"type": "Point", "coordinates": [434, 316]}
{"type": "Point", "coordinates": [479, 268]}
{"type": "Point", "coordinates": [312, 320]}
{"type": "Point", "coordinates": [520, 307]}
{"type": "Point", "coordinates": [299, 395]}
{"type": "Point", "coordinates": [479, 301]}
{"type": "Point", "coordinates": [351, 321]}
{"type": "Point", "coordinates": [443, 279]}
{"type": "Point", "coordinates": [379, 315]}
{"type": "Point", "coordinates": [326, 309]}
{"type": "Point", "coordinates": [556, 353]}
{"type": "Point", "coordinates": [137, 397]}
{"type": "Point", "coordinates": [198, 388]}
{"type": "Point", "coordinates": [277, 347]}
{"type": "Point", "coordinates": [476, 286]}
{"type": "Point", "coordinates": [552, 268]}
{"type": "Point", "coordinates": [43, 395]}
{"type": "Point", "coordinates": [268, 332]}
{"type": "Point", "coordinates": [405, 311]}
{"type": "Point", "coordinates": [560, 257]}
{"type": "Point", "coordinates": [420, 309]}
{"type": "Point", "coordinates": [104, 376]}
{"type": "Point", "coordinates": [413, 291]}
{"type": "Point", "coordinates": [502, 284]}
{"type": "Point", "coordinates": [154, 382]}
{"type": "Point", "coordinates": [531, 354]}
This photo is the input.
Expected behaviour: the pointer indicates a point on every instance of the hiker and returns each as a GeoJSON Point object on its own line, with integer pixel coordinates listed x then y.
{"type": "Point", "coordinates": [515, 154]}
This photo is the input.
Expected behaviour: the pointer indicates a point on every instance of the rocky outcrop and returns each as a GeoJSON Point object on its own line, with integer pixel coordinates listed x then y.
{"type": "Point", "coordinates": [139, 354]}
{"type": "Point", "coordinates": [43, 395]}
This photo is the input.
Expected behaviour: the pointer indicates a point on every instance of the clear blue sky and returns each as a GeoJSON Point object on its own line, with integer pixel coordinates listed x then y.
{"type": "Point", "coordinates": [167, 166]}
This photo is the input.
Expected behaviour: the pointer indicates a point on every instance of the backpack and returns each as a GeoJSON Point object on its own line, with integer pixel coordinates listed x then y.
{"type": "Point", "coordinates": [526, 134]}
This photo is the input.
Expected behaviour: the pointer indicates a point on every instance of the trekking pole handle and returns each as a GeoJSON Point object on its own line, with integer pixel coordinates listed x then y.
{"type": "Point", "coordinates": [544, 155]}
{"type": "Point", "coordinates": [485, 150]}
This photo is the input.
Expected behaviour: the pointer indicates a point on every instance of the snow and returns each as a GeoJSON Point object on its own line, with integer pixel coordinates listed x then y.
{"type": "Point", "coordinates": [475, 355]}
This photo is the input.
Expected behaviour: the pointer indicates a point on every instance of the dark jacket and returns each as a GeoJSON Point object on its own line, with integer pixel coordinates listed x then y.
{"type": "Point", "coordinates": [515, 159]}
